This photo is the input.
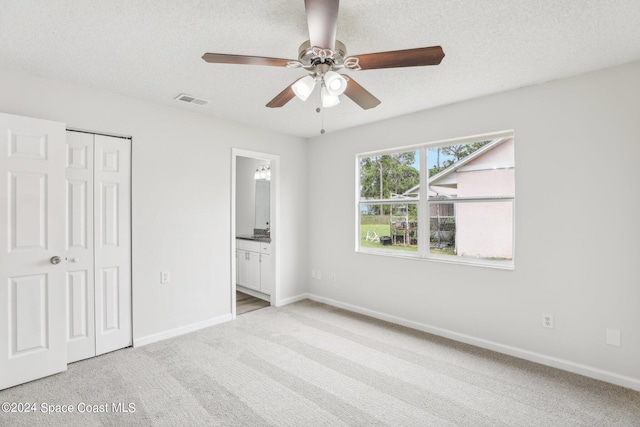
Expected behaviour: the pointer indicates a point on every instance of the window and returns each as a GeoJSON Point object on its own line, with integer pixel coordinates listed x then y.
{"type": "Point", "coordinates": [461, 209]}
{"type": "Point", "coordinates": [388, 209]}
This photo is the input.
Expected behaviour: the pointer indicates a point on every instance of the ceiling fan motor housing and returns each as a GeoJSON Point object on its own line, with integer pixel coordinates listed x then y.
{"type": "Point", "coordinates": [310, 56]}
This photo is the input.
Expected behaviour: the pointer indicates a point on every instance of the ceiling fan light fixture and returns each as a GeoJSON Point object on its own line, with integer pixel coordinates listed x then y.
{"type": "Point", "coordinates": [335, 83]}
{"type": "Point", "coordinates": [303, 87]}
{"type": "Point", "coordinates": [329, 100]}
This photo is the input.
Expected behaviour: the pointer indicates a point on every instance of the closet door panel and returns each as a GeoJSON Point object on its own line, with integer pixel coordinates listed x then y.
{"type": "Point", "coordinates": [79, 247]}
{"type": "Point", "coordinates": [112, 207]}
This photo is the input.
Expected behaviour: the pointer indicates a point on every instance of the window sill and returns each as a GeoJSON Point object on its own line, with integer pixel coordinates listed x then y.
{"type": "Point", "coordinates": [500, 265]}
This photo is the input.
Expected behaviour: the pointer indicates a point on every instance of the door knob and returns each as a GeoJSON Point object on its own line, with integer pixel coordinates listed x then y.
{"type": "Point", "coordinates": [55, 260]}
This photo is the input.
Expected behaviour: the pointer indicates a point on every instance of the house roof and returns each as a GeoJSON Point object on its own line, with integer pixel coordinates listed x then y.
{"type": "Point", "coordinates": [443, 174]}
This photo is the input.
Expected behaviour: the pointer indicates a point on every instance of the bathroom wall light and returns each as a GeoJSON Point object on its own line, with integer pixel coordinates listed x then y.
{"type": "Point", "coordinates": [263, 172]}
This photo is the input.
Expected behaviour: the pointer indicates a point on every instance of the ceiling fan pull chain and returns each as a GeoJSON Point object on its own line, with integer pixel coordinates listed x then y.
{"type": "Point", "coordinates": [321, 111]}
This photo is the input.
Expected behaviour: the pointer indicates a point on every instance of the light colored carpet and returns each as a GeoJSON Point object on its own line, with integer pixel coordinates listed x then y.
{"type": "Point", "coordinates": [308, 364]}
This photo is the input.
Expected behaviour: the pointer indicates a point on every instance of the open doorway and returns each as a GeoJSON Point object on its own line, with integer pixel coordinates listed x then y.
{"type": "Point", "coordinates": [246, 303]}
{"type": "Point", "coordinates": [254, 227]}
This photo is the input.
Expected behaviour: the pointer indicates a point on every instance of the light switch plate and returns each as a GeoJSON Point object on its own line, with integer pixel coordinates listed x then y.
{"type": "Point", "coordinates": [165, 277]}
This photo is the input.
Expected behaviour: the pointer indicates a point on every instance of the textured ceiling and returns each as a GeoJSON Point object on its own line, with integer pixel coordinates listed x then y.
{"type": "Point", "coordinates": [151, 49]}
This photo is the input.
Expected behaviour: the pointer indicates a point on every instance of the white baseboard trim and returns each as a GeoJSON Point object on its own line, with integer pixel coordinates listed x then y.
{"type": "Point", "coordinates": [566, 365]}
{"type": "Point", "coordinates": [253, 293]}
{"type": "Point", "coordinates": [291, 300]}
{"type": "Point", "coordinates": [149, 339]}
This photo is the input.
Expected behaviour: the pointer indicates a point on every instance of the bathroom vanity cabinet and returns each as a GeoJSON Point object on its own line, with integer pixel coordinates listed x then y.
{"type": "Point", "coordinates": [254, 265]}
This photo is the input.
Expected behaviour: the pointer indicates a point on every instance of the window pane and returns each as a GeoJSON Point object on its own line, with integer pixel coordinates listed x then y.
{"type": "Point", "coordinates": [395, 229]}
{"type": "Point", "coordinates": [475, 230]}
{"type": "Point", "coordinates": [442, 228]}
{"type": "Point", "coordinates": [479, 169]}
{"type": "Point", "coordinates": [390, 176]}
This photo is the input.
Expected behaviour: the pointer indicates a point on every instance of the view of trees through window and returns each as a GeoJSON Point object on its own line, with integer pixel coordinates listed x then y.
{"type": "Point", "coordinates": [469, 200]}
{"type": "Point", "coordinates": [392, 221]}
{"type": "Point", "coordinates": [388, 174]}
{"type": "Point", "coordinates": [443, 157]}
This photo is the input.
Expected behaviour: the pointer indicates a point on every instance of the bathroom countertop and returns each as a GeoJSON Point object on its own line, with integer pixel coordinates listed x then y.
{"type": "Point", "coordinates": [255, 238]}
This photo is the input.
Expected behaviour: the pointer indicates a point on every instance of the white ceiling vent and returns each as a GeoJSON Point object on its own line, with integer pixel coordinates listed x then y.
{"type": "Point", "coordinates": [191, 99]}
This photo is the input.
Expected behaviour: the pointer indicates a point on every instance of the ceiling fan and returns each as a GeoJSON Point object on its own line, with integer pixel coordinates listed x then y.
{"type": "Point", "coordinates": [322, 55]}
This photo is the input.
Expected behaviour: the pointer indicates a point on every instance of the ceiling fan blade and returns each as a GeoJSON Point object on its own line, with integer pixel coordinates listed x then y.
{"type": "Point", "coordinates": [401, 58]}
{"type": "Point", "coordinates": [283, 97]}
{"type": "Point", "coordinates": [222, 58]}
{"type": "Point", "coordinates": [322, 19]}
{"type": "Point", "coordinates": [360, 95]}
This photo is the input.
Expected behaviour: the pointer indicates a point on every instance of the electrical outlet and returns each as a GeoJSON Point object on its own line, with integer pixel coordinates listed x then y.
{"type": "Point", "coordinates": [547, 321]}
{"type": "Point", "coordinates": [613, 337]}
{"type": "Point", "coordinates": [165, 277]}
{"type": "Point", "coordinates": [319, 275]}
{"type": "Point", "coordinates": [333, 278]}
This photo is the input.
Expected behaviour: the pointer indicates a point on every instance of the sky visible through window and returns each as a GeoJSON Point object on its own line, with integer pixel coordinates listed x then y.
{"type": "Point", "coordinates": [432, 160]}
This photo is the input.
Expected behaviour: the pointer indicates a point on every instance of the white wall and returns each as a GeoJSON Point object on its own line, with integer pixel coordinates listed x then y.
{"type": "Point", "coordinates": [577, 154]}
{"type": "Point", "coordinates": [181, 185]}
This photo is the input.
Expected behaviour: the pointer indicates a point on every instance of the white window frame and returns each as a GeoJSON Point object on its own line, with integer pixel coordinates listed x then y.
{"type": "Point", "coordinates": [424, 223]}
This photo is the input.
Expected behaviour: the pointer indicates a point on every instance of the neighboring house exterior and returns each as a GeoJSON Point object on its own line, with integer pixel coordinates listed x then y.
{"type": "Point", "coordinates": [483, 229]}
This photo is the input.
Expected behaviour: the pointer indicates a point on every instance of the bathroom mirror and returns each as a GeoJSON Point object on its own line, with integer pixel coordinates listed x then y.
{"type": "Point", "coordinates": [263, 207]}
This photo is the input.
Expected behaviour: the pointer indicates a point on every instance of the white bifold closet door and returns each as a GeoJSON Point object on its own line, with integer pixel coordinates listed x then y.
{"type": "Point", "coordinates": [98, 244]}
